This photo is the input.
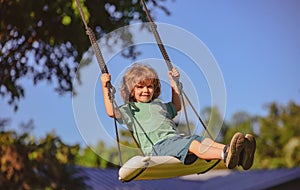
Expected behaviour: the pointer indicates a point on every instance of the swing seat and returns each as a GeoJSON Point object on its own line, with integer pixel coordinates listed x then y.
{"type": "Point", "coordinates": [158, 167]}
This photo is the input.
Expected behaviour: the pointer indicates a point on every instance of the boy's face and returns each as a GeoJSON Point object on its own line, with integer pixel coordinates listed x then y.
{"type": "Point", "coordinates": [143, 92]}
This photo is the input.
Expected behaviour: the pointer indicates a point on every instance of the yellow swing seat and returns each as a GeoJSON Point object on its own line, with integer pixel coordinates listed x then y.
{"type": "Point", "coordinates": [158, 167]}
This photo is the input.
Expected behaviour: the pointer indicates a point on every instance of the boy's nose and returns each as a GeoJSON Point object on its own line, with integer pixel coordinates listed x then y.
{"type": "Point", "coordinates": [145, 89]}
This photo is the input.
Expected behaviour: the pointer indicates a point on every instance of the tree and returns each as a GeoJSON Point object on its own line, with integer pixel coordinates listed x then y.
{"type": "Point", "coordinates": [216, 126]}
{"type": "Point", "coordinates": [102, 156]}
{"type": "Point", "coordinates": [240, 122]}
{"type": "Point", "coordinates": [279, 138]}
{"type": "Point", "coordinates": [96, 156]}
{"type": "Point", "coordinates": [48, 163]}
{"type": "Point", "coordinates": [45, 40]}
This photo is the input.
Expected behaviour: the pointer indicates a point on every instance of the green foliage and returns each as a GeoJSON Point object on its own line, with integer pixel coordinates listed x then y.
{"type": "Point", "coordinates": [215, 123]}
{"type": "Point", "coordinates": [279, 139]}
{"type": "Point", "coordinates": [240, 122]}
{"type": "Point", "coordinates": [101, 156]}
{"type": "Point", "coordinates": [45, 40]}
{"type": "Point", "coordinates": [44, 164]}
{"type": "Point", "coordinates": [129, 147]}
{"type": "Point", "coordinates": [96, 156]}
{"type": "Point", "coordinates": [277, 134]}
{"type": "Point", "coordinates": [87, 158]}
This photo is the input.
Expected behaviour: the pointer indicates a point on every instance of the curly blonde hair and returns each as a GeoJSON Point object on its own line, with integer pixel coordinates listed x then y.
{"type": "Point", "coordinates": [142, 74]}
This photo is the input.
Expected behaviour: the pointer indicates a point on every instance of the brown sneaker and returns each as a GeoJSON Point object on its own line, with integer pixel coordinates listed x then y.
{"type": "Point", "coordinates": [232, 152]}
{"type": "Point", "coordinates": [247, 155]}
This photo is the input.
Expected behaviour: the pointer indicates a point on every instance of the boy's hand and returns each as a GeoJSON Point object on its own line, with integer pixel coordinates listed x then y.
{"type": "Point", "coordinates": [105, 78]}
{"type": "Point", "coordinates": [174, 76]}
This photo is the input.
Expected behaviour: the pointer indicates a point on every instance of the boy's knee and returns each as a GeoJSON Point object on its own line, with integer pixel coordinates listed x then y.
{"type": "Point", "coordinates": [207, 140]}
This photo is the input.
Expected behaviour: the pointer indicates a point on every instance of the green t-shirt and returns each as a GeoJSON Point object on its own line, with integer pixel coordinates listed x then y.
{"type": "Point", "coordinates": [150, 122]}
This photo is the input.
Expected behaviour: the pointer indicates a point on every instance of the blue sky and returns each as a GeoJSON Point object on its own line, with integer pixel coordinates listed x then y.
{"type": "Point", "coordinates": [255, 43]}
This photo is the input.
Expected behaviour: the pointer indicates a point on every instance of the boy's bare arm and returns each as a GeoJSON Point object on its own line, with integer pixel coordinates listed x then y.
{"type": "Point", "coordinates": [174, 75]}
{"type": "Point", "coordinates": [176, 100]}
{"type": "Point", "coordinates": [105, 78]}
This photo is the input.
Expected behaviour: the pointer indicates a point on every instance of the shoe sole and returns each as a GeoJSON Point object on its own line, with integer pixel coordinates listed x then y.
{"type": "Point", "coordinates": [250, 147]}
{"type": "Point", "coordinates": [235, 148]}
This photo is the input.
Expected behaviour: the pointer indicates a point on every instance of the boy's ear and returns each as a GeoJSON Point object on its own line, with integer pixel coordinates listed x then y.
{"type": "Point", "coordinates": [131, 95]}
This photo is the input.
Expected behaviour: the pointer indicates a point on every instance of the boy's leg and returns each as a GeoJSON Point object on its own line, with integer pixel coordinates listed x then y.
{"type": "Point", "coordinates": [208, 143]}
{"type": "Point", "coordinates": [210, 150]}
{"type": "Point", "coordinates": [207, 149]}
{"type": "Point", "coordinates": [247, 155]}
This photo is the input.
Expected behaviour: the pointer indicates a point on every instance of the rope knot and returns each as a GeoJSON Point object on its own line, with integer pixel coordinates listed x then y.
{"type": "Point", "coordinates": [89, 31]}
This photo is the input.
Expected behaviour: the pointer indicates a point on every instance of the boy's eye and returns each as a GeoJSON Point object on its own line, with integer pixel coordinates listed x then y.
{"type": "Point", "coordinates": [142, 86]}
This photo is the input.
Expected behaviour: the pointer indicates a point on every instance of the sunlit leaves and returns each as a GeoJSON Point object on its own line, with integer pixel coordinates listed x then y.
{"type": "Point", "coordinates": [31, 32]}
{"type": "Point", "coordinates": [280, 136]}
{"type": "Point", "coordinates": [66, 20]}
{"type": "Point", "coordinates": [84, 9]}
{"type": "Point", "coordinates": [29, 164]}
